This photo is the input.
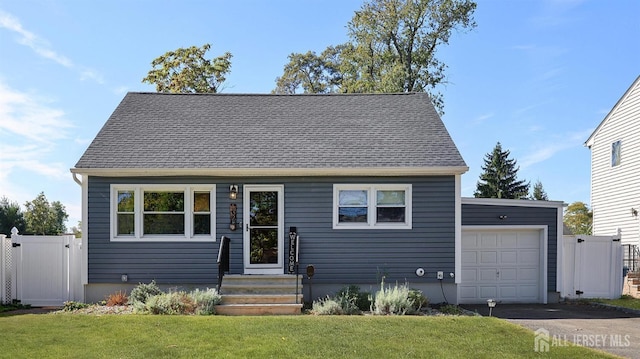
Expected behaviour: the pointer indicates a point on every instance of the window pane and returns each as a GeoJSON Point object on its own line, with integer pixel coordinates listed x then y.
{"type": "Point", "coordinates": [164, 201]}
{"type": "Point", "coordinates": [126, 225]}
{"type": "Point", "coordinates": [353, 198]}
{"type": "Point", "coordinates": [264, 246]}
{"type": "Point", "coordinates": [390, 197]}
{"type": "Point", "coordinates": [125, 201]}
{"type": "Point", "coordinates": [352, 214]}
{"type": "Point", "coordinates": [201, 201]}
{"type": "Point", "coordinates": [615, 153]}
{"type": "Point", "coordinates": [163, 224]}
{"type": "Point", "coordinates": [390, 214]}
{"type": "Point", "coordinates": [264, 208]}
{"type": "Point", "coordinates": [201, 224]}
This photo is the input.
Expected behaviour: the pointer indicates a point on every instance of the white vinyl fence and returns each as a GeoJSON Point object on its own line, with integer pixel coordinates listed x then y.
{"type": "Point", "coordinates": [40, 270]}
{"type": "Point", "coordinates": [592, 267]}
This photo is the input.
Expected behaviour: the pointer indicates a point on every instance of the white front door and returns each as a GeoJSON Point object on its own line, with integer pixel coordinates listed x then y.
{"type": "Point", "coordinates": [263, 239]}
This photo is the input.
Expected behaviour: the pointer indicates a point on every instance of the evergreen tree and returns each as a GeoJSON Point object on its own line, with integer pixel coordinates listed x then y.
{"type": "Point", "coordinates": [539, 193]}
{"type": "Point", "coordinates": [10, 216]}
{"type": "Point", "coordinates": [499, 179]}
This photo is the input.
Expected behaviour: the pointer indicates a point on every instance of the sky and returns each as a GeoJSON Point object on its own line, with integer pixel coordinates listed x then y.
{"type": "Point", "coordinates": [536, 76]}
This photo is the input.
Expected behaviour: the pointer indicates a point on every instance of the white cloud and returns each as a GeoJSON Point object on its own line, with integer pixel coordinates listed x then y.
{"type": "Point", "coordinates": [482, 118]}
{"type": "Point", "coordinates": [546, 150]}
{"type": "Point", "coordinates": [41, 47]}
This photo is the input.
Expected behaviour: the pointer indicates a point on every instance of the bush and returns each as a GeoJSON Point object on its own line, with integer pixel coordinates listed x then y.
{"type": "Point", "coordinates": [354, 295]}
{"type": "Point", "coordinates": [419, 299]}
{"type": "Point", "coordinates": [205, 300]}
{"type": "Point", "coordinates": [117, 298]}
{"type": "Point", "coordinates": [327, 306]}
{"type": "Point", "coordinates": [450, 309]}
{"type": "Point", "coordinates": [141, 293]}
{"type": "Point", "coordinates": [393, 300]}
{"type": "Point", "coordinates": [170, 303]}
{"type": "Point", "coordinates": [73, 306]}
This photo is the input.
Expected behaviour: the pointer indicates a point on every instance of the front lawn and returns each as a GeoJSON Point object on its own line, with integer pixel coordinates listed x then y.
{"type": "Point", "coordinates": [625, 301]}
{"type": "Point", "coordinates": [305, 336]}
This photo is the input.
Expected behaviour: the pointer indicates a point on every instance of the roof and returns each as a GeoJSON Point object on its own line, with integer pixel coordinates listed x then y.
{"type": "Point", "coordinates": [249, 134]}
{"type": "Point", "coordinates": [589, 141]}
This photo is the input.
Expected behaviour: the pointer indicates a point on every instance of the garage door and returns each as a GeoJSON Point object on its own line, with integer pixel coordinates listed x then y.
{"type": "Point", "coordinates": [504, 265]}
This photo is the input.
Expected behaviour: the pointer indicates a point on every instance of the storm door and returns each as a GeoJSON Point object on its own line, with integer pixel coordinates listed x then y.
{"type": "Point", "coordinates": [263, 229]}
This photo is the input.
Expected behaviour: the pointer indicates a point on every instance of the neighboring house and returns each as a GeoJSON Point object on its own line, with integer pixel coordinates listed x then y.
{"type": "Point", "coordinates": [615, 169]}
{"type": "Point", "coordinates": [370, 182]}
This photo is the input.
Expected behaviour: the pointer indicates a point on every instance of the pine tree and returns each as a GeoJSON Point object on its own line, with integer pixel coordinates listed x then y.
{"type": "Point", "coordinates": [499, 179]}
{"type": "Point", "coordinates": [539, 194]}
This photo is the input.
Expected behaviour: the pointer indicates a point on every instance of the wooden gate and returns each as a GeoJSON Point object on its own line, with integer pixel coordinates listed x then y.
{"type": "Point", "coordinates": [592, 267]}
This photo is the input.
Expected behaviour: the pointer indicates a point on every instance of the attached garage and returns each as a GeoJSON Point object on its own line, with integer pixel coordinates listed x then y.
{"type": "Point", "coordinates": [502, 264]}
{"type": "Point", "coordinates": [508, 251]}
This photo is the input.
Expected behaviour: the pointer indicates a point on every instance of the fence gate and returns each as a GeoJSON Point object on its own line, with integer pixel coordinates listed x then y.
{"type": "Point", "coordinates": [592, 267]}
{"type": "Point", "coordinates": [40, 270]}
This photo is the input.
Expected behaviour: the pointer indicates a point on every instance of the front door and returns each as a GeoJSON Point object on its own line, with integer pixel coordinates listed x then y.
{"type": "Point", "coordinates": [263, 229]}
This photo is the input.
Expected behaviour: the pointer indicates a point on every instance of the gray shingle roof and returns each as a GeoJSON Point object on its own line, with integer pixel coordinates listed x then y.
{"type": "Point", "coordinates": [227, 131]}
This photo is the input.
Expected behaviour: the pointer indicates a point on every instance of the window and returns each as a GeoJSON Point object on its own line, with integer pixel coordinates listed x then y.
{"type": "Point", "coordinates": [615, 153]}
{"type": "Point", "coordinates": [163, 213]}
{"type": "Point", "coordinates": [371, 206]}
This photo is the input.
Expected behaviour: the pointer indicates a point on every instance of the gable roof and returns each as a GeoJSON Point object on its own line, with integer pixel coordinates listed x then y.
{"type": "Point", "coordinates": [589, 141]}
{"type": "Point", "coordinates": [246, 134]}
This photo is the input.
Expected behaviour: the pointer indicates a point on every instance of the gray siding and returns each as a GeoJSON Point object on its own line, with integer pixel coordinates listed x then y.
{"type": "Point", "coordinates": [485, 215]}
{"type": "Point", "coordinates": [339, 256]}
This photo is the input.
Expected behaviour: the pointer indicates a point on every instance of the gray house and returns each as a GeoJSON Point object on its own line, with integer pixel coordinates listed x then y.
{"type": "Point", "coordinates": [369, 182]}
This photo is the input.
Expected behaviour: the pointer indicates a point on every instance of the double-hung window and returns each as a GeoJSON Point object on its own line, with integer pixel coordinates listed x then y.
{"type": "Point", "coordinates": [163, 212]}
{"type": "Point", "coordinates": [371, 206]}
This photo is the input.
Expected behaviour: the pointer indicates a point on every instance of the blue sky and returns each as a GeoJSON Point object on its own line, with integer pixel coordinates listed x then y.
{"type": "Point", "coordinates": [537, 76]}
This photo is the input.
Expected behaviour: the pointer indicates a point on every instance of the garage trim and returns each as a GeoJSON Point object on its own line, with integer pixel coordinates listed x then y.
{"type": "Point", "coordinates": [544, 238]}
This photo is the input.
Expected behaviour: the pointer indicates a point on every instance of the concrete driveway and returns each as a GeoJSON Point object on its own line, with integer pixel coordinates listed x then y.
{"type": "Point", "coordinates": [605, 329]}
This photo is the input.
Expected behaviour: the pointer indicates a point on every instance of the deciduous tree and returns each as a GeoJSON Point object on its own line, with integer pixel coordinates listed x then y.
{"type": "Point", "coordinates": [579, 218]}
{"type": "Point", "coordinates": [187, 70]}
{"type": "Point", "coordinates": [392, 47]}
{"type": "Point", "coordinates": [11, 216]}
{"type": "Point", "coordinates": [500, 177]}
{"type": "Point", "coordinates": [45, 218]}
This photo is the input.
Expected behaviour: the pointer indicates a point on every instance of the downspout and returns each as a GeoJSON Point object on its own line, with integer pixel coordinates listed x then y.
{"type": "Point", "coordinates": [75, 178]}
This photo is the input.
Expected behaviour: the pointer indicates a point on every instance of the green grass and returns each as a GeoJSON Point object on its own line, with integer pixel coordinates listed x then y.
{"type": "Point", "coordinates": [624, 301]}
{"type": "Point", "coordinates": [305, 336]}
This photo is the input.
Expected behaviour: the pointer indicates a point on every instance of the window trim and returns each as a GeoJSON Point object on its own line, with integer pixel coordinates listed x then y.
{"type": "Point", "coordinates": [372, 205]}
{"type": "Point", "coordinates": [139, 189]}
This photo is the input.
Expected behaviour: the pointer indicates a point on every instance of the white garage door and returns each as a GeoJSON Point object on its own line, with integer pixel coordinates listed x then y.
{"type": "Point", "coordinates": [505, 265]}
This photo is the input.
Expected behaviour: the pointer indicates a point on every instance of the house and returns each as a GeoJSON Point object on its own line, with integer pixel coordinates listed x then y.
{"type": "Point", "coordinates": [369, 182]}
{"type": "Point", "coordinates": [615, 170]}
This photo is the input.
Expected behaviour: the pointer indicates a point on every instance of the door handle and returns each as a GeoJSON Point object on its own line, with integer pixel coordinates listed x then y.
{"type": "Point", "coordinates": [247, 227]}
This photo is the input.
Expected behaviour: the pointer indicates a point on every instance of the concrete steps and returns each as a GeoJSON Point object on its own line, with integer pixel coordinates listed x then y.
{"type": "Point", "coordinates": [632, 284]}
{"type": "Point", "coordinates": [260, 295]}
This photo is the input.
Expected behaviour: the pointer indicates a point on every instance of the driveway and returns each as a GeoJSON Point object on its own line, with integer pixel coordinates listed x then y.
{"type": "Point", "coordinates": [606, 329]}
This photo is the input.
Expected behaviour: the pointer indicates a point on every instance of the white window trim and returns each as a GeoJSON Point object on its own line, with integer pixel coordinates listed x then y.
{"type": "Point", "coordinates": [371, 206]}
{"type": "Point", "coordinates": [139, 189]}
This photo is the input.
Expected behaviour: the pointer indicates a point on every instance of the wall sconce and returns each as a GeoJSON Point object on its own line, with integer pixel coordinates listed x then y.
{"type": "Point", "coordinates": [233, 191]}
{"type": "Point", "coordinates": [503, 217]}
{"type": "Point", "coordinates": [491, 303]}
{"type": "Point", "coordinates": [233, 214]}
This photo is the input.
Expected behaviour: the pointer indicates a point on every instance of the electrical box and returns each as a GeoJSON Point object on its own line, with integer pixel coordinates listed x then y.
{"type": "Point", "coordinates": [440, 275]}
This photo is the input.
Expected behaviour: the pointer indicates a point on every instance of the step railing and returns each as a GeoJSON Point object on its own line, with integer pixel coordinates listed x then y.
{"type": "Point", "coordinates": [223, 259]}
{"type": "Point", "coordinates": [631, 257]}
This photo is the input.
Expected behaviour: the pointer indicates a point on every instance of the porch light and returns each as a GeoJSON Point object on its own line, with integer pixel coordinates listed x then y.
{"type": "Point", "coordinates": [233, 191]}
{"type": "Point", "coordinates": [491, 303]}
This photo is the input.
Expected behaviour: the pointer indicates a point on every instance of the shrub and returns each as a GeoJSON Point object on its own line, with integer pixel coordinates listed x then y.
{"type": "Point", "coordinates": [117, 298]}
{"type": "Point", "coordinates": [205, 300]}
{"type": "Point", "coordinates": [327, 306]}
{"type": "Point", "coordinates": [142, 292]}
{"type": "Point", "coordinates": [450, 309]}
{"type": "Point", "coordinates": [71, 306]}
{"type": "Point", "coordinates": [393, 300]}
{"type": "Point", "coordinates": [419, 299]}
{"type": "Point", "coordinates": [354, 295]}
{"type": "Point", "coordinates": [170, 303]}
